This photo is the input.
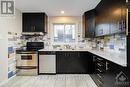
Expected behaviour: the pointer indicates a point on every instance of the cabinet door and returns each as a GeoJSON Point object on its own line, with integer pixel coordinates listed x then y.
{"type": "Point", "coordinates": [37, 22]}
{"type": "Point", "coordinates": [34, 22]}
{"type": "Point", "coordinates": [87, 61]}
{"type": "Point", "coordinates": [72, 63]}
{"type": "Point", "coordinates": [118, 16]}
{"type": "Point", "coordinates": [27, 22]}
{"type": "Point", "coordinates": [129, 21]}
{"type": "Point", "coordinates": [69, 63]}
{"type": "Point", "coordinates": [112, 13]}
{"type": "Point", "coordinates": [102, 18]}
{"type": "Point", "coordinates": [89, 23]}
{"type": "Point", "coordinates": [115, 76]}
{"type": "Point", "coordinates": [61, 62]}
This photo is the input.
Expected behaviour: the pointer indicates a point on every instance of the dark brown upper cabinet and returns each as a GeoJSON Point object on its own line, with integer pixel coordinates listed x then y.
{"type": "Point", "coordinates": [111, 17]}
{"type": "Point", "coordinates": [34, 22]}
{"type": "Point", "coordinates": [89, 23]}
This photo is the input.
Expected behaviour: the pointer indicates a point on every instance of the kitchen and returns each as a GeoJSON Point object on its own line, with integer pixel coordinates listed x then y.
{"type": "Point", "coordinates": [84, 45]}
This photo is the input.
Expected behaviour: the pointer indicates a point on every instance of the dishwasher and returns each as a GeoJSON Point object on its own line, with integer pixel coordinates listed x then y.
{"type": "Point", "coordinates": [46, 62]}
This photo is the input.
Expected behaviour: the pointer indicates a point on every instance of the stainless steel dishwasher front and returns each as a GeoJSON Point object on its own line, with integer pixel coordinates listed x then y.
{"type": "Point", "coordinates": [47, 62]}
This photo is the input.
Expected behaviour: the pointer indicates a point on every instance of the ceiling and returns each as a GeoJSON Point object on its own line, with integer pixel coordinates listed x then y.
{"type": "Point", "coordinates": [53, 7]}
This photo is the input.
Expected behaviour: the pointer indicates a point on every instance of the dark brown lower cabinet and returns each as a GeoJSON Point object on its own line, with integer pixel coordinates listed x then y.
{"type": "Point", "coordinates": [73, 63]}
{"type": "Point", "coordinates": [109, 74]}
{"type": "Point", "coordinates": [69, 63]}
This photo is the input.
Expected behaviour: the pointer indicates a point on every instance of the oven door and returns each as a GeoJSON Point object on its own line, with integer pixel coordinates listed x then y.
{"type": "Point", "coordinates": [26, 59]}
{"type": "Point", "coordinates": [26, 70]}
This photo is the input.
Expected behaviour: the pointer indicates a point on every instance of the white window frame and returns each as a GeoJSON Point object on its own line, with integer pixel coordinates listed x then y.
{"type": "Point", "coordinates": [64, 31]}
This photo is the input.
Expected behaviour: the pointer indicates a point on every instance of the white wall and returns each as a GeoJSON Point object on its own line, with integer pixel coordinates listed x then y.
{"type": "Point", "coordinates": [7, 24]}
{"type": "Point", "coordinates": [68, 19]}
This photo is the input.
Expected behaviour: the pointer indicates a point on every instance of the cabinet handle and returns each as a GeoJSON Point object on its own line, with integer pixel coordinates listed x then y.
{"type": "Point", "coordinates": [94, 56]}
{"type": "Point", "coordinates": [99, 65]}
{"type": "Point", "coordinates": [107, 65]}
{"type": "Point", "coordinates": [78, 54]}
{"type": "Point", "coordinates": [98, 85]}
{"type": "Point", "coordinates": [34, 28]}
{"type": "Point", "coordinates": [99, 76]}
{"type": "Point", "coordinates": [31, 28]}
{"type": "Point", "coordinates": [64, 54]}
{"type": "Point", "coordinates": [100, 81]}
{"type": "Point", "coordinates": [127, 22]}
{"type": "Point", "coordinates": [99, 70]}
{"type": "Point", "coordinates": [99, 59]}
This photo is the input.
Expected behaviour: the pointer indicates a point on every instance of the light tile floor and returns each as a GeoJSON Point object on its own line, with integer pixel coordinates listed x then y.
{"type": "Point", "coordinates": [63, 80]}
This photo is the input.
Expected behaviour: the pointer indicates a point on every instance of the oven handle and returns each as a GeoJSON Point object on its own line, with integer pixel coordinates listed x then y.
{"type": "Point", "coordinates": [27, 53]}
{"type": "Point", "coordinates": [26, 67]}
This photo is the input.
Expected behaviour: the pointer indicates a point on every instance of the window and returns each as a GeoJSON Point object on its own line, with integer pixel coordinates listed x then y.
{"type": "Point", "coordinates": [64, 33]}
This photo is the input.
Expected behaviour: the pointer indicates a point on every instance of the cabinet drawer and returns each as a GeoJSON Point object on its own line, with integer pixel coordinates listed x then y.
{"type": "Point", "coordinates": [99, 83]}
{"type": "Point", "coordinates": [100, 76]}
{"type": "Point", "coordinates": [101, 66]}
{"type": "Point", "coordinates": [100, 60]}
{"type": "Point", "coordinates": [99, 70]}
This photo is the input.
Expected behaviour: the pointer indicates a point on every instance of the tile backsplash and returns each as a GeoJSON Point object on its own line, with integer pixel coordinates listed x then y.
{"type": "Point", "coordinates": [115, 43]}
{"type": "Point", "coordinates": [45, 39]}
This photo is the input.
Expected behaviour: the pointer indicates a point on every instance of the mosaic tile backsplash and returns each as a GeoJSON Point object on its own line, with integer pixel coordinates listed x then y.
{"type": "Point", "coordinates": [115, 43]}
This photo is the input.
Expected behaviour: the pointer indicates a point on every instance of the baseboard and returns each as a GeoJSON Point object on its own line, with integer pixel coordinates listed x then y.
{"type": "Point", "coordinates": [4, 82]}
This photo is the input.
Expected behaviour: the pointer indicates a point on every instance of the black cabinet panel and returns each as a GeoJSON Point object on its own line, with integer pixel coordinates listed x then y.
{"type": "Point", "coordinates": [114, 76]}
{"type": "Point", "coordinates": [100, 69]}
{"type": "Point", "coordinates": [72, 63]}
{"type": "Point", "coordinates": [87, 61]}
{"type": "Point", "coordinates": [89, 23]}
{"type": "Point", "coordinates": [34, 22]}
{"type": "Point", "coordinates": [111, 17]}
{"type": "Point", "coordinates": [26, 25]}
{"type": "Point", "coordinates": [128, 42]}
{"type": "Point", "coordinates": [108, 74]}
{"type": "Point", "coordinates": [128, 55]}
{"type": "Point", "coordinates": [129, 21]}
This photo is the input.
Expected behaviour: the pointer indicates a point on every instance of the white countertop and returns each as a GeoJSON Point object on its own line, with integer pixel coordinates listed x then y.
{"type": "Point", "coordinates": [118, 58]}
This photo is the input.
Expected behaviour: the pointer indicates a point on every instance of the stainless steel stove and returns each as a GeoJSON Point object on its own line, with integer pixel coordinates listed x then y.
{"type": "Point", "coordinates": [27, 59]}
